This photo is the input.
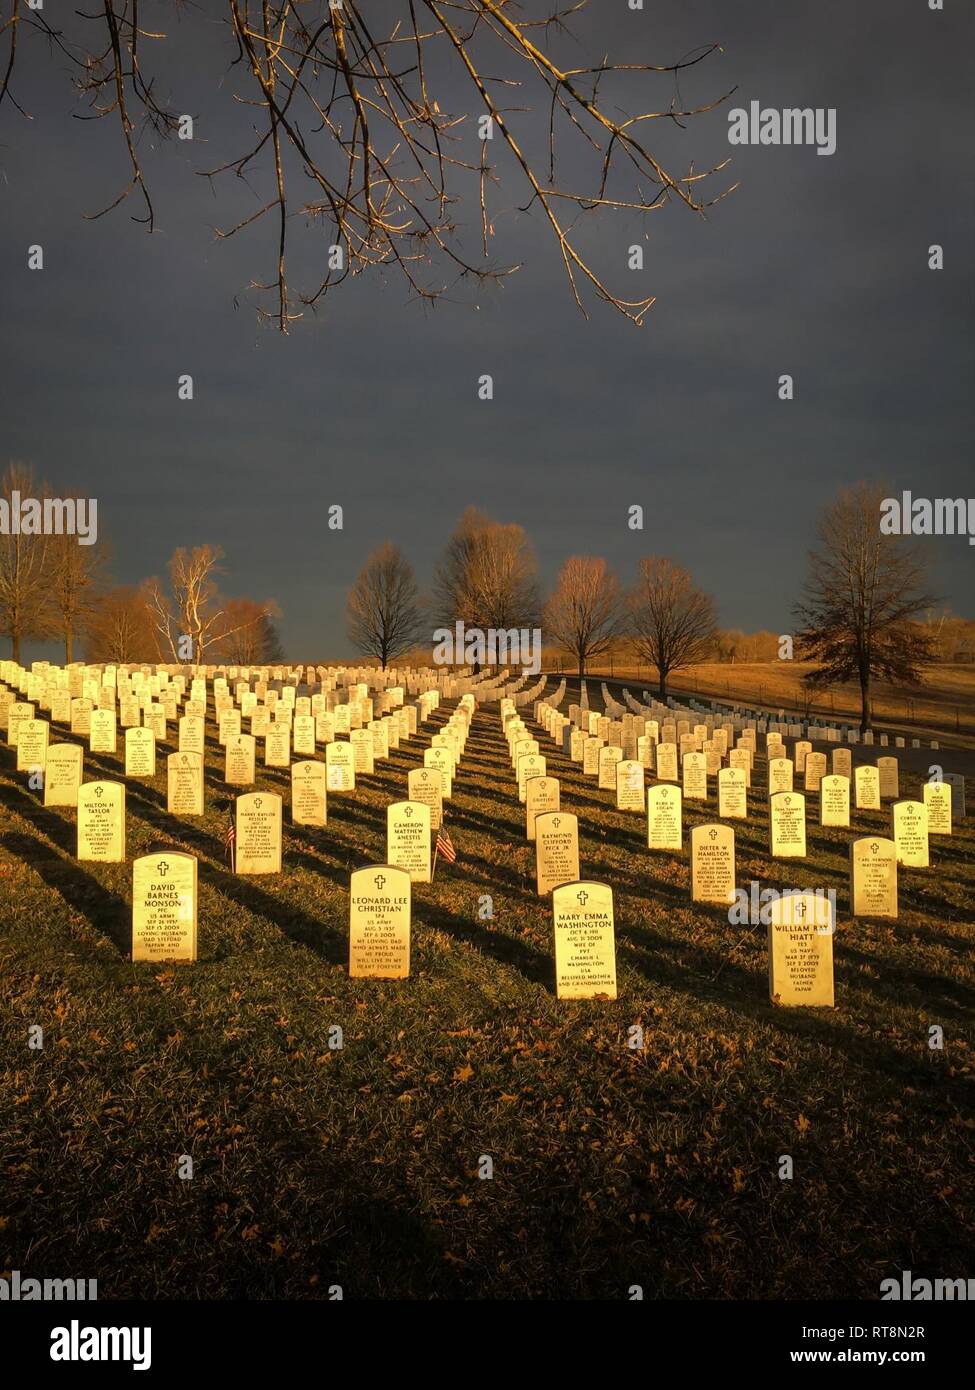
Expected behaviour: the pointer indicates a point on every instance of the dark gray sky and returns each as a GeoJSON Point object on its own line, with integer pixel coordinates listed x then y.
{"type": "Point", "coordinates": [816, 266]}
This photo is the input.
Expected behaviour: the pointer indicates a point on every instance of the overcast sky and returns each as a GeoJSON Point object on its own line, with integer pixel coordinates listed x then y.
{"type": "Point", "coordinates": [816, 266]}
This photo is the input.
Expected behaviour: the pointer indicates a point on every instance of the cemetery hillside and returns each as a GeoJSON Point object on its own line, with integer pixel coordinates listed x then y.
{"type": "Point", "coordinates": [945, 701]}
{"type": "Point", "coordinates": [267, 1033]}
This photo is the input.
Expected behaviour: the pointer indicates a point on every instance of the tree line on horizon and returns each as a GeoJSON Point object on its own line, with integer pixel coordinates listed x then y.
{"type": "Point", "coordinates": [53, 589]}
{"type": "Point", "coordinates": [864, 612]}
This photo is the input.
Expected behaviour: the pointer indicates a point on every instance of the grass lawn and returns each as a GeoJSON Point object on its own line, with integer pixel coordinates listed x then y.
{"type": "Point", "coordinates": [359, 1167]}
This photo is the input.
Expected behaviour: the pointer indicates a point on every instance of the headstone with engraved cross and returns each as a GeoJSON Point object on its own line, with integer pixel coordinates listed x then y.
{"type": "Point", "coordinates": [873, 877]}
{"type": "Point", "coordinates": [713, 864]}
{"type": "Point", "coordinates": [308, 793]}
{"type": "Point", "coordinates": [379, 922]}
{"type": "Point", "coordinates": [101, 822]}
{"type": "Point", "coordinates": [585, 941]}
{"type": "Point", "coordinates": [800, 950]}
{"type": "Point", "coordinates": [556, 850]}
{"type": "Point", "coordinates": [164, 907]}
{"type": "Point", "coordinates": [408, 838]}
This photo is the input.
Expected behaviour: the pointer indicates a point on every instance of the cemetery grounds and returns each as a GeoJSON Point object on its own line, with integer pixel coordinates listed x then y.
{"type": "Point", "coordinates": [612, 1167]}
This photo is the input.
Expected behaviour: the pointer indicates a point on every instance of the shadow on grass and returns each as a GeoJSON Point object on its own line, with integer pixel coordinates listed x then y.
{"type": "Point", "coordinates": [709, 975]}
{"type": "Point", "coordinates": [533, 964]}
{"type": "Point", "coordinates": [313, 933]}
{"type": "Point", "coordinates": [105, 912]}
{"type": "Point", "coordinates": [46, 820]}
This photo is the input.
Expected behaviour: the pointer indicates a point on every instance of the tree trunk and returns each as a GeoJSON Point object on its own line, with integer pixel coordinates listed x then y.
{"type": "Point", "coordinates": [866, 707]}
{"type": "Point", "coordinates": [15, 646]}
{"type": "Point", "coordinates": [662, 688]}
{"type": "Point", "coordinates": [68, 647]}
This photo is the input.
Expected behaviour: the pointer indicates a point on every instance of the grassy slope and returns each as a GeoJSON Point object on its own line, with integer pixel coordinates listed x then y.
{"type": "Point", "coordinates": [358, 1167]}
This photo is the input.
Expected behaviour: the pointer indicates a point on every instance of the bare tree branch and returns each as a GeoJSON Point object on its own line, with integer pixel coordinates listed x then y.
{"type": "Point", "coordinates": [362, 118]}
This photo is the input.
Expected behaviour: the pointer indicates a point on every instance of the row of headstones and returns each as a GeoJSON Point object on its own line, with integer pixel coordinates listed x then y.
{"type": "Point", "coordinates": [792, 723]}
{"type": "Point", "coordinates": [801, 922]}
{"type": "Point", "coordinates": [800, 954]}
{"type": "Point", "coordinates": [320, 716]}
{"type": "Point", "coordinates": [801, 926]}
{"type": "Point", "coordinates": [534, 692]}
{"type": "Point", "coordinates": [792, 726]}
{"type": "Point", "coordinates": [668, 738]}
{"type": "Point", "coordinates": [46, 679]}
{"type": "Point", "coordinates": [873, 784]}
{"type": "Point", "coordinates": [125, 675]}
{"type": "Point", "coordinates": [152, 695]}
{"type": "Point", "coordinates": [409, 823]}
{"type": "Point", "coordinates": [556, 697]}
{"type": "Point", "coordinates": [310, 782]}
{"type": "Point", "coordinates": [164, 899]}
{"type": "Point", "coordinates": [165, 923]}
{"type": "Point", "coordinates": [59, 765]}
{"type": "Point", "coordinates": [873, 860]}
{"type": "Point", "coordinates": [164, 885]}
{"type": "Point", "coordinates": [30, 736]}
{"type": "Point", "coordinates": [336, 677]}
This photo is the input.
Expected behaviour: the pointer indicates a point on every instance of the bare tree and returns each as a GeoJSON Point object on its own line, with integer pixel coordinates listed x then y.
{"type": "Point", "coordinates": [77, 572]}
{"type": "Point", "coordinates": [730, 645]}
{"type": "Point", "coordinates": [454, 595]}
{"type": "Point", "coordinates": [585, 614]}
{"type": "Point", "coordinates": [361, 115]}
{"type": "Point", "coordinates": [734, 645]}
{"type": "Point", "coordinates": [674, 623]}
{"type": "Point", "coordinates": [860, 600]}
{"type": "Point", "coordinates": [25, 563]}
{"type": "Point", "coordinates": [488, 576]}
{"type": "Point", "coordinates": [252, 638]}
{"type": "Point", "coordinates": [383, 610]}
{"type": "Point", "coordinates": [192, 618]}
{"type": "Point", "coordinates": [121, 628]}
{"type": "Point", "coordinates": [953, 638]}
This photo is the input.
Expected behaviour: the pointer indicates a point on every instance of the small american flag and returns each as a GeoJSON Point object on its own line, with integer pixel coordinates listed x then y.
{"type": "Point", "coordinates": [230, 837]}
{"type": "Point", "coordinates": [445, 845]}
